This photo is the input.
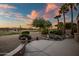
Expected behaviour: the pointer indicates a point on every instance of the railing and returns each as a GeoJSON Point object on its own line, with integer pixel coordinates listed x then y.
{"type": "Point", "coordinates": [19, 51]}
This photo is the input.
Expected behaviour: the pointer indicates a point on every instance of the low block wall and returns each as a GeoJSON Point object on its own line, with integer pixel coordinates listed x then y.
{"type": "Point", "coordinates": [19, 51]}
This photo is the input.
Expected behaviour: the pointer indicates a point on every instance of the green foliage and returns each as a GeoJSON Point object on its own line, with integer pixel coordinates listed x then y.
{"type": "Point", "coordinates": [57, 17]}
{"type": "Point", "coordinates": [57, 32]}
{"type": "Point", "coordinates": [48, 23]}
{"type": "Point", "coordinates": [25, 33]}
{"type": "Point", "coordinates": [64, 9]}
{"type": "Point", "coordinates": [44, 31]}
{"type": "Point", "coordinates": [60, 25]}
{"type": "Point", "coordinates": [69, 26]}
{"type": "Point", "coordinates": [41, 23]}
{"type": "Point", "coordinates": [3, 33]}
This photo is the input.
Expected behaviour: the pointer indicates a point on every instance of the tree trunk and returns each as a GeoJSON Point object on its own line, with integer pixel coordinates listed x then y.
{"type": "Point", "coordinates": [72, 31]}
{"type": "Point", "coordinates": [58, 23]}
{"type": "Point", "coordinates": [64, 23]}
{"type": "Point", "coordinates": [78, 25]}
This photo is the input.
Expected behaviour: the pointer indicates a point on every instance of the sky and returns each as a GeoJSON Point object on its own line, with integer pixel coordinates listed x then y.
{"type": "Point", "coordinates": [23, 14]}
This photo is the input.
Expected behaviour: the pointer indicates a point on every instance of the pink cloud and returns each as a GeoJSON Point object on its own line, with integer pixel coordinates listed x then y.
{"type": "Point", "coordinates": [50, 7]}
{"type": "Point", "coordinates": [51, 10]}
{"type": "Point", "coordinates": [30, 17]}
{"type": "Point", "coordinates": [47, 16]}
{"type": "Point", "coordinates": [33, 14]}
{"type": "Point", "coordinates": [57, 12]}
{"type": "Point", "coordinates": [5, 6]}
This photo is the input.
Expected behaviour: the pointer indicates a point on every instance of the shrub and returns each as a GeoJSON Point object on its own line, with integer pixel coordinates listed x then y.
{"type": "Point", "coordinates": [45, 31]}
{"type": "Point", "coordinates": [57, 32]}
{"type": "Point", "coordinates": [25, 33]}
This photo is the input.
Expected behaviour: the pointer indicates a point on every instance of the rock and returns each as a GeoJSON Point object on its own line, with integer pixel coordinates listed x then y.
{"type": "Point", "coordinates": [55, 37]}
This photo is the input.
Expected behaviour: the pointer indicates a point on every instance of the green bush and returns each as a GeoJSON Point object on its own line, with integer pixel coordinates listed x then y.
{"type": "Point", "coordinates": [25, 33]}
{"type": "Point", "coordinates": [45, 31]}
{"type": "Point", "coordinates": [57, 32]}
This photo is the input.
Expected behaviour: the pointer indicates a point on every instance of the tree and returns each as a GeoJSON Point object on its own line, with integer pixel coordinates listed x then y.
{"type": "Point", "coordinates": [63, 11]}
{"type": "Point", "coordinates": [41, 23]}
{"type": "Point", "coordinates": [68, 26]}
{"type": "Point", "coordinates": [57, 17]}
{"type": "Point", "coordinates": [71, 6]}
{"type": "Point", "coordinates": [38, 22]}
{"type": "Point", "coordinates": [60, 25]}
{"type": "Point", "coordinates": [48, 24]}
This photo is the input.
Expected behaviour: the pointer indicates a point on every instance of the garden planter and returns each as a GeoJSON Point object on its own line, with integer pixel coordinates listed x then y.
{"type": "Point", "coordinates": [23, 41]}
{"type": "Point", "coordinates": [22, 38]}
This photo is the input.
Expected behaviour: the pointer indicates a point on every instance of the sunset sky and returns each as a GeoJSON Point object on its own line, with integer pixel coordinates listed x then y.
{"type": "Point", "coordinates": [14, 15]}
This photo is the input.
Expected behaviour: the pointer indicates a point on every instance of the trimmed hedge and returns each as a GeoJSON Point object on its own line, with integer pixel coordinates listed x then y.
{"type": "Point", "coordinates": [25, 33]}
{"type": "Point", "coordinates": [57, 32]}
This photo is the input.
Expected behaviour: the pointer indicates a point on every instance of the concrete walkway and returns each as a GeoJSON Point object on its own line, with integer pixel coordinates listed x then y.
{"type": "Point", "coordinates": [67, 47]}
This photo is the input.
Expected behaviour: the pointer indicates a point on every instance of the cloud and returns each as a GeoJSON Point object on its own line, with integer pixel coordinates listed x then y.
{"type": "Point", "coordinates": [18, 15]}
{"type": "Point", "coordinates": [33, 14]}
{"type": "Point", "coordinates": [57, 12]}
{"type": "Point", "coordinates": [47, 16]}
{"type": "Point", "coordinates": [51, 10]}
{"type": "Point", "coordinates": [12, 19]}
{"type": "Point", "coordinates": [10, 15]}
{"type": "Point", "coordinates": [6, 6]}
{"type": "Point", "coordinates": [50, 7]}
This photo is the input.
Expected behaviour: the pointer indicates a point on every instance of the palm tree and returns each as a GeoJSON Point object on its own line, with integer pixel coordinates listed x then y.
{"type": "Point", "coordinates": [71, 7]}
{"type": "Point", "coordinates": [63, 11]}
{"type": "Point", "coordinates": [57, 17]}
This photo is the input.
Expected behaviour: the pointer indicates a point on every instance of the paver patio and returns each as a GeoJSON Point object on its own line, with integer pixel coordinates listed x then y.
{"type": "Point", "coordinates": [67, 47]}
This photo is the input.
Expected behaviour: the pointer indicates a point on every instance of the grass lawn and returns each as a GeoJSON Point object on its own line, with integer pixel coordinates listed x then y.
{"type": "Point", "coordinates": [3, 33]}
